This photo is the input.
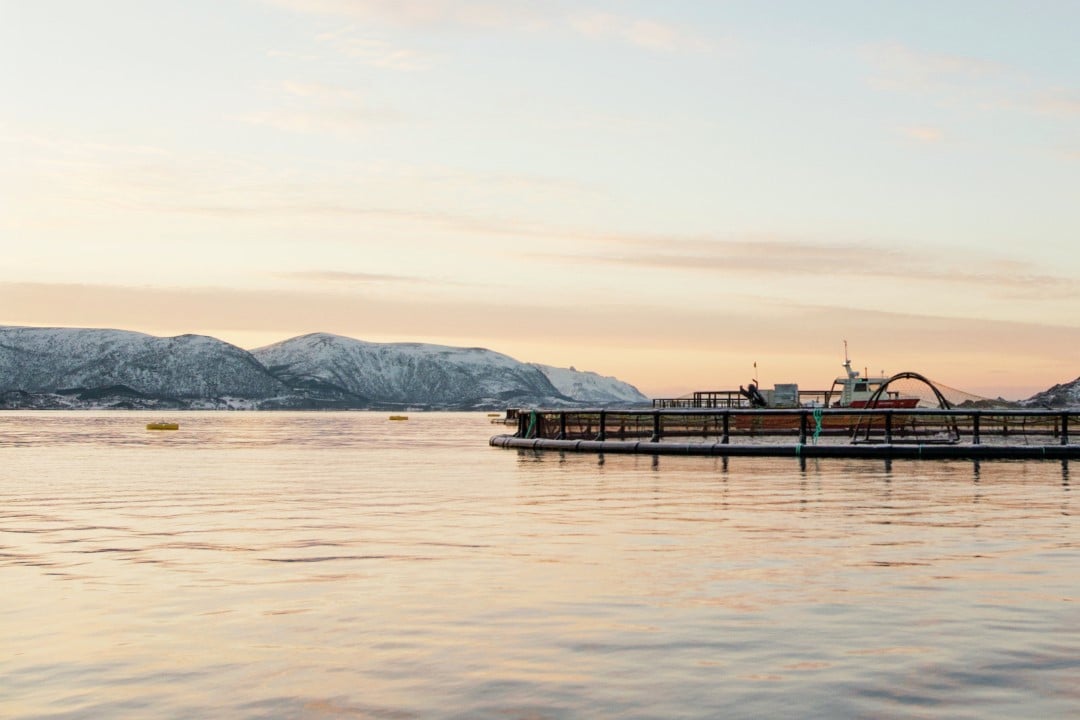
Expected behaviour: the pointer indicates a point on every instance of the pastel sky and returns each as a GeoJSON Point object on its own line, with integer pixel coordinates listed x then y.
{"type": "Point", "coordinates": [664, 192]}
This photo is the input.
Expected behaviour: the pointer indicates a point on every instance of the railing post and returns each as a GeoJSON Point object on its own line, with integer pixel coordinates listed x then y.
{"type": "Point", "coordinates": [1064, 428]}
{"type": "Point", "coordinates": [655, 427]}
{"type": "Point", "coordinates": [802, 427]}
{"type": "Point", "coordinates": [725, 438]}
{"type": "Point", "coordinates": [975, 428]}
{"type": "Point", "coordinates": [602, 435]}
{"type": "Point", "coordinates": [562, 425]}
{"type": "Point", "coordinates": [888, 427]}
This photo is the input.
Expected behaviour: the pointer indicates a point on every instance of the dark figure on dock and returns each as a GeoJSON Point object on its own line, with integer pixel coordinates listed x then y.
{"type": "Point", "coordinates": [751, 393]}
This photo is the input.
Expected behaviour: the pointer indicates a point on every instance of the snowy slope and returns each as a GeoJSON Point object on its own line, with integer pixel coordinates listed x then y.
{"type": "Point", "coordinates": [88, 368]}
{"type": "Point", "coordinates": [591, 388]}
{"type": "Point", "coordinates": [49, 360]}
{"type": "Point", "coordinates": [406, 373]}
{"type": "Point", "coordinates": [1066, 395]}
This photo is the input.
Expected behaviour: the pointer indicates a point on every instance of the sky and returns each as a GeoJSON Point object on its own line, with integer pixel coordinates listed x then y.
{"type": "Point", "coordinates": [684, 195]}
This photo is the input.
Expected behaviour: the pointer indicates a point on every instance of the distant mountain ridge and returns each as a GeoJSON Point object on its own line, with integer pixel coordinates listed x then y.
{"type": "Point", "coordinates": [332, 366]}
{"type": "Point", "coordinates": [85, 367]}
{"type": "Point", "coordinates": [1065, 395]}
{"type": "Point", "coordinates": [97, 368]}
{"type": "Point", "coordinates": [591, 387]}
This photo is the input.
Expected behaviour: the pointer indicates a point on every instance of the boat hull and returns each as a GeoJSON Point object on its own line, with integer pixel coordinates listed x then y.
{"type": "Point", "coordinates": [885, 404]}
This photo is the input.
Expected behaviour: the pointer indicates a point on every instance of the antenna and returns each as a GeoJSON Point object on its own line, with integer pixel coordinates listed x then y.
{"type": "Point", "coordinates": [847, 364]}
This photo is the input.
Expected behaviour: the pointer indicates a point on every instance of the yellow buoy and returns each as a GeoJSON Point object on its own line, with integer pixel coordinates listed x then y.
{"type": "Point", "coordinates": [399, 417]}
{"type": "Point", "coordinates": [162, 426]}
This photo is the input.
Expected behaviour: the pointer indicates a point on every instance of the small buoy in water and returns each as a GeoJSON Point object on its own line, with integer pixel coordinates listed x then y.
{"type": "Point", "coordinates": [399, 417]}
{"type": "Point", "coordinates": [162, 426]}
{"type": "Point", "coordinates": [494, 415]}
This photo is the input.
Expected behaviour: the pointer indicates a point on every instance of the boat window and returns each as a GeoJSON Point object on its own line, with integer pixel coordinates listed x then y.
{"type": "Point", "coordinates": [860, 387]}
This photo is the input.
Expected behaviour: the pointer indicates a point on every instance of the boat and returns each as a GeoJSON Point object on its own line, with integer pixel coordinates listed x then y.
{"type": "Point", "coordinates": [850, 391]}
{"type": "Point", "coordinates": [859, 392]}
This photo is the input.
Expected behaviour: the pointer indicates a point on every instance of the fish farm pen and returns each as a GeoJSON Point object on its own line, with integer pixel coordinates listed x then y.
{"type": "Point", "coordinates": [921, 433]}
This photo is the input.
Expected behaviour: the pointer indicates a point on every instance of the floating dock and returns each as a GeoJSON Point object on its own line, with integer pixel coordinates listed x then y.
{"type": "Point", "coordinates": [924, 434]}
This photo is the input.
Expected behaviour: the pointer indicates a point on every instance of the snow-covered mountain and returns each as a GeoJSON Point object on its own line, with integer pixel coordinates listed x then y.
{"type": "Point", "coordinates": [331, 366]}
{"type": "Point", "coordinates": [591, 388]}
{"type": "Point", "coordinates": [87, 367]}
{"type": "Point", "coordinates": [1065, 395]}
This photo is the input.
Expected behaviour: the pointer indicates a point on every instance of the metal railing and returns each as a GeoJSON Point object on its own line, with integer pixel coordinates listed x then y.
{"type": "Point", "coordinates": [805, 425]}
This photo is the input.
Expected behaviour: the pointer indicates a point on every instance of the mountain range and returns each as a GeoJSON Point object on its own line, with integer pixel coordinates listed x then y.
{"type": "Point", "coordinates": [77, 368]}
{"type": "Point", "coordinates": [55, 368]}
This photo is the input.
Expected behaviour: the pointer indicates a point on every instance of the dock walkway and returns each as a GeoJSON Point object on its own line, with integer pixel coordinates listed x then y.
{"type": "Point", "coordinates": [803, 433]}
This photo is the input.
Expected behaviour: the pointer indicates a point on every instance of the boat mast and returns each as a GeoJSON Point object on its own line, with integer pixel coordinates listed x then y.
{"type": "Point", "coordinates": [847, 394]}
{"type": "Point", "coordinates": [852, 374]}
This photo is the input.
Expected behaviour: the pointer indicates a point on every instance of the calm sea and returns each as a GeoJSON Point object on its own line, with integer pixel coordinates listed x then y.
{"type": "Point", "coordinates": [326, 565]}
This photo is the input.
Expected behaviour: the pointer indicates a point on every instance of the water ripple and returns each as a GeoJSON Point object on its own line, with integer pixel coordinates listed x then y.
{"type": "Point", "coordinates": [258, 565]}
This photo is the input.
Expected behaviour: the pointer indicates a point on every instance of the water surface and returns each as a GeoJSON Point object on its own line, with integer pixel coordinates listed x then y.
{"type": "Point", "coordinates": [314, 565]}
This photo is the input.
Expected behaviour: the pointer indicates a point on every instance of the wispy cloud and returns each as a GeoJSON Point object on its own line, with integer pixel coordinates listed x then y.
{"type": "Point", "coordinates": [900, 67]}
{"type": "Point", "coordinates": [113, 175]}
{"type": "Point", "coordinates": [448, 221]}
{"type": "Point", "coordinates": [73, 148]}
{"type": "Point", "coordinates": [322, 93]}
{"type": "Point", "coordinates": [355, 279]}
{"type": "Point", "coordinates": [353, 43]}
{"type": "Point", "coordinates": [413, 13]}
{"type": "Point", "coordinates": [752, 330]}
{"type": "Point", "coordinates": [976, 82]}
{"type": "Point", "coordinates": [151, 180]}
{"type": "Point", "coordinates": [1057, 101]}
{"type": "Point", "coordinates": [291, 55]}
{"type": "Point", "coordinates": [923, 133]}
{"type": "Point", "coordinates": [237, 188]}
{"type": "Point", "coordinates": [644, 33]}
{"type": "Point", "coordinates": [88, 304]}
{"type": "Point", "coordinates": [791, 258]}
{"type": "Point", "coordinates": [647, 33]}
{"type": "Point", "coordinates": [316, 108]}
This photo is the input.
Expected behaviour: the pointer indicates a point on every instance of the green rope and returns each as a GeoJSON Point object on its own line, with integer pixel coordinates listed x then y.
{"type": "Point", "coordinates": [532, 424]}
{"type": "Point", "coordinates": [817, 424]}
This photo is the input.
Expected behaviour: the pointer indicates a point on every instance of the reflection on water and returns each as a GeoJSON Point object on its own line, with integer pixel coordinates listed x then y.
{"type": "Point", "coordinates": [341, 565]}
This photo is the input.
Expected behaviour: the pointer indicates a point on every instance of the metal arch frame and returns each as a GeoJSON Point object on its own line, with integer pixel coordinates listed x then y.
{"type": "Point", "coordinates": [829, 394]}
{"type": "Point", "coordinates": [872, 402]}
